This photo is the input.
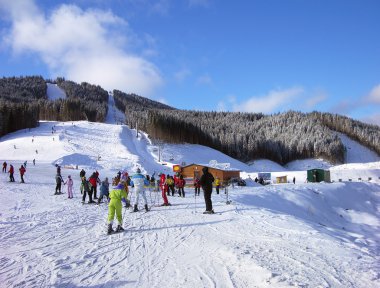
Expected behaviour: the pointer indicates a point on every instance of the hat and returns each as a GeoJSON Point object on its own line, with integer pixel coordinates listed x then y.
{"type": "Point", "coordinates": [138, 170]}
{"type": "Point", "coordinates": [69, 176]}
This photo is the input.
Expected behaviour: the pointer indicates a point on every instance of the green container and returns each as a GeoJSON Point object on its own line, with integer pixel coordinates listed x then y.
{"type": "Point", "coordinates": [318, 175]}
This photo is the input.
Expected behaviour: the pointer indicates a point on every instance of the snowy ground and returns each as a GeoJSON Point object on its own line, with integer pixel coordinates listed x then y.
{"type": "Point", "coordinates": [289, 235]}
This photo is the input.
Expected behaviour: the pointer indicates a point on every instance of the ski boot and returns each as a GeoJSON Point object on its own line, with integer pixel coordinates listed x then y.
{"type": "Point", "coordinates": [135, 209]}
{"type": "Point", "coordinates": [110, 230]}
{"type": "Point", "coordinates": [119, 228]}
{"type": "Point", "coordinates": [146, 207]}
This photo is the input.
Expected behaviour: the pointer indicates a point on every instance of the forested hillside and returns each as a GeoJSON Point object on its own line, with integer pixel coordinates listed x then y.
{"type": "Point", "coordinates": [245, 136]}
{"type": "Point", "coordinates": [23, 102]}
{"type": "Point", "coordinates": [281, 137]}
{"type": "Point", "coordinates": [136, 107]}
{"type": "Point", "coordinates": [19, 102]}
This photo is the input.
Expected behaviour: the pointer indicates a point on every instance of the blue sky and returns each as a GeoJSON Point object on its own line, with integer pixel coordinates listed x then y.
{"type": "Point", "coordinates": [250, 56]}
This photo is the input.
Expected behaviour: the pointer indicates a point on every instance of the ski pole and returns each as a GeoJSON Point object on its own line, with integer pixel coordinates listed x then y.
{"type": "Point", "coordinates": [195, 202]}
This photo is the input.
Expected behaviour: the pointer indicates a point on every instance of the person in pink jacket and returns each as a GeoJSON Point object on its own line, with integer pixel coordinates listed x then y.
{"type": "Point", "coordinates": [70, 184]}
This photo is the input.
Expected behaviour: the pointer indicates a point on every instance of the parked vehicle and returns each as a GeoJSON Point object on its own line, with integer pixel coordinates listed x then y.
{"type": "Point", "coordinates": [237, 181]}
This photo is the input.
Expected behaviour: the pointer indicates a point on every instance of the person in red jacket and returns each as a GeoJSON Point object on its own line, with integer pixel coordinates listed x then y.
{"type": "Point", "coordinates": [94, 182]}
{"type": "Point", "coordinates": [22, 172]}
{"type": "Point", "coordinates": [5, 167]}
{"type": "Point", "coordinates": [164, 189]}
{"type": "Point", "coordinates": [11, 171]}
{"type": "Point", "coordinates": [181, 184]}
{"type": "Point", "coordinates": [197, 186]}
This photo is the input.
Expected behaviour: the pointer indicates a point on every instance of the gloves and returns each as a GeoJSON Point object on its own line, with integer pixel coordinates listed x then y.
{"type": "Point", "coordinates": [123, 200]}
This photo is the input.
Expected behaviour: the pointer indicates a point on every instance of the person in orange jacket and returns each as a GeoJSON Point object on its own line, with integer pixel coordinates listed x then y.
{"type": "Point", "coordinates": [22, 172]}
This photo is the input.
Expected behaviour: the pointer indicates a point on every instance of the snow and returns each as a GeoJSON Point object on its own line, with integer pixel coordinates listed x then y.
{"type": "Point", "coordinates": [54, 92]}
{"type": "Point", "coordinates": [286, 235]}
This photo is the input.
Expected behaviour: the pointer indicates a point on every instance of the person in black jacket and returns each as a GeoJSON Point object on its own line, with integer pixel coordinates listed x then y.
{"type": "Point", "coordinates": [206, 182]}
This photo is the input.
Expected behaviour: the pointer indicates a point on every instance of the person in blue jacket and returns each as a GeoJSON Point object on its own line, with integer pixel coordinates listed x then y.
{"type": "Point", "coordinates": [138, 181]}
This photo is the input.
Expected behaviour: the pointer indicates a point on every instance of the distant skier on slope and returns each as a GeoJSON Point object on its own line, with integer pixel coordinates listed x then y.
{"type": "Point", "coordinates": [117, 195]}
{"type": "Point", "coordinates": [5, 167]}
{"type": "Point", "coordinates": [206, 183]}
{"type": "Point", "coordinates": [138, 181]}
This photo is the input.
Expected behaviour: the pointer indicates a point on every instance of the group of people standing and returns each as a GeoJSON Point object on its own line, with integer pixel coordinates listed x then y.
{"type": "Point", "coordinates": [11, 171]}
{"type": "Point", "coordinates": [167, 184]}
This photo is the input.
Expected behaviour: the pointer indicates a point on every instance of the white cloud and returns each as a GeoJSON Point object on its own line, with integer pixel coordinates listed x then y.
{"type": "Point", "coordinates": [160, 7]}
{"type": "Point", "coordinates": [374, 95]}
{"type": "Point", "coordinates": [182, 74]}
{"type": "Point", "coordinates": [270, 103]}
{"type": "Point", "coordinates": [199, 3]}
{"type": "Point", "coordinates": [81, 46]}
{"type": "Point", "coordinates": [221, 107]}
{"type": "Point", "coordinates": [204, 80]}
{"type": "Point", "coordinates": [316, 99]}
{"type": "Point", "coordinates": [372, 119]}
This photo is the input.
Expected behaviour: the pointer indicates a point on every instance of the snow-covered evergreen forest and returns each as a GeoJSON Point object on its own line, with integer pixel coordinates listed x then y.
{"type": "Point", "coordinates": [280, 137]}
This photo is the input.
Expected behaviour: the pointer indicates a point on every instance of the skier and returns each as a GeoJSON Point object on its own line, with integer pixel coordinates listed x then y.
{"type": "Point", "coordinates": [82, 173]}
{"type": "Point", "coordinates": [58, 180]}
{"type": "Point", "coordinates": [138, 181]}
{"type": "Point", "coordinates": [22, 172]}
{"type": "Point", "coordinates": [294, 180]}
{"type": "Point", "coordinates": [104, 190]}
{"type": "Point", "coordinates": [217, 184]}
{"type": "Point", "coordinates": [70, 184]}
{"type": "Point", "coordinates": [206, 183]}
{"type": "Point", "coordinates": [170, 183]}
{"type": "Point", "coordinates": [34, 162]}
{"type": "Point", "coordinates": [117, 195]}
{"type": "Point", "coordinates": [86, 190]}
{"type": "Point", "coordinates": [11, 171]}
{"type": "Point", "coordinates": [197, 186]}
{"type": "Point", "coordinates": [5, 167]}
{"type": "Point", "coordinates": [94, 180]}
{"type": "Point", "coordinates": [181, 184]}
{"type": "Point", "coordinates": [126, 181]}
{"type": "Point", "coordinates": [164, 188]}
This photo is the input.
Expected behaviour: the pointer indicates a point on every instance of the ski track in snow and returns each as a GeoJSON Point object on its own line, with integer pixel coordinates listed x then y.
{"type": "Point", "coordinates": [303, 235]}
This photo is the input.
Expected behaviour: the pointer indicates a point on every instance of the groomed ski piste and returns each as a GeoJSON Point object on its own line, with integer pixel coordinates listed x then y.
{"type": "Point", "coordinates": [285, 235]}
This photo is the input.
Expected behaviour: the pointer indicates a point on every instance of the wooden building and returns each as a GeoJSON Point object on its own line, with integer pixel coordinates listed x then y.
{"type": "Point", "coordinates": [195, 170]}
{"type": "Point", "coordinates": [281, 179]}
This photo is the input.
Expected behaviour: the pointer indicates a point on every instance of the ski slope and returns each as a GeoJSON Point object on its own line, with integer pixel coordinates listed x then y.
{"type": "Point", "coordinates": [289, 235]}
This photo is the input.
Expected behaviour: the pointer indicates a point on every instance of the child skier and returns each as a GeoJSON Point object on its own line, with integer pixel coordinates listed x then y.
{"type": "Point", "coordinates": [70, 184]}
{"type": "Point", "coordinates": [138, 182]}
{"type": "Point", "coordinates": [117, 195]}
{"type": "Point", "coordinates": [104, 190]}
